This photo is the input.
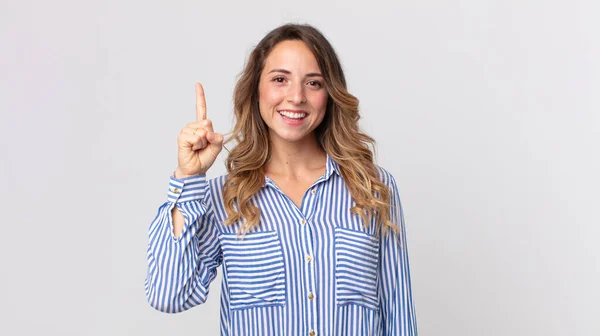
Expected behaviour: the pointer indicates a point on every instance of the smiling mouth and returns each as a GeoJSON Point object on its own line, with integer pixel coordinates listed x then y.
{"type": "Point", "coordinates": [293, 115]}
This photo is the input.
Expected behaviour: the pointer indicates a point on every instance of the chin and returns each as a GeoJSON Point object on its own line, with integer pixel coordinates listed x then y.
{"type": "Point", "coordinates": [291, 136]}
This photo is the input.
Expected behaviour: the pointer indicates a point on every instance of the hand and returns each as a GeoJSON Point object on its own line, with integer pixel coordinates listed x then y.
{"type": "Point", "coordinates": [198, 145]}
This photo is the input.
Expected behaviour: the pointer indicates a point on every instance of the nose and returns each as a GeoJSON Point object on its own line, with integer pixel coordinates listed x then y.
{"type": "Point", "coordinates": [295, 94]}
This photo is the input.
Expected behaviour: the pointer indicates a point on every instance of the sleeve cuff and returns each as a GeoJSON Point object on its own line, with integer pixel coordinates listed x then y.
{"type": "Point", "coordinates": [186, 189]}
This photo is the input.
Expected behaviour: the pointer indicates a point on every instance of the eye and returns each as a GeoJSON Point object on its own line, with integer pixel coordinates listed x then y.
{"type": "Point", "coordinates": [279, 79]}
{"type": "Point", "coordinates": [315, 83]}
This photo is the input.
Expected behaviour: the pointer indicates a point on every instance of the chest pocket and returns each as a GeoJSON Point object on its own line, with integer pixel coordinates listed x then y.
{"type": "Point", "coordinates": [356, 277]}
{"type": "Point", "coordinates": [255, 270]}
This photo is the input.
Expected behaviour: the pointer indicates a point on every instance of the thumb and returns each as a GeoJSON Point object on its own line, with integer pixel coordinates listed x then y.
{"type": "Point", "coordinates": [215, 139]}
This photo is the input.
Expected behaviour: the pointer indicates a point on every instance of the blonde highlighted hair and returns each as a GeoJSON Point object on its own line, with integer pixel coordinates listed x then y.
{"type": "Point", "coordinates": [338, 134]}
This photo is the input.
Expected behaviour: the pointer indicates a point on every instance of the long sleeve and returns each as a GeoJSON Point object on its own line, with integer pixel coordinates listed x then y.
{"type": "Point", "coordinates": [180, 270]}
{"type": "Point", "coordinates": [398, 312]}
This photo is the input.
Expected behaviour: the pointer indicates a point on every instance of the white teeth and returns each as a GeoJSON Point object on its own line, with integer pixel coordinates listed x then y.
{"type": "Point", "coordinates": [293, 115]}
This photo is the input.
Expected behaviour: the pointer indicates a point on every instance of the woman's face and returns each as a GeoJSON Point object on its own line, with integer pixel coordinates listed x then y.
{"type": "Point", "coordinates": [292, 95]}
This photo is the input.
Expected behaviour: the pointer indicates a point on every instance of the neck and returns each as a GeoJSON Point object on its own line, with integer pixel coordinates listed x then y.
{"type": "Point", "coordinates": [294, 159]}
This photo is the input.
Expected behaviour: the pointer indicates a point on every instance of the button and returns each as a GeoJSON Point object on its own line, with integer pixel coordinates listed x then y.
{"type": "Point", "coordinates": [308, 258]}
{"type": "Point", "coordinates": [303, 222]}
{"type": "Point", "coordinates": [312, 333]}
{"type": "Point", "coordinates": [176, 191]}
{"type": "Point", "coordinates": [313, 191]}
{"type": "Point", "coordinates": [311, 296]}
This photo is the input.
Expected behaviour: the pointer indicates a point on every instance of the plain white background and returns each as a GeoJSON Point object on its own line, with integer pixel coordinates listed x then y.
{"type": "Point", "coordinates": [486, 112]}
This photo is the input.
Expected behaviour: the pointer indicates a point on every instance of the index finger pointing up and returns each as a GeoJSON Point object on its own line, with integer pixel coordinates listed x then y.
{"type": "Point", "coordinates": [200, 103]}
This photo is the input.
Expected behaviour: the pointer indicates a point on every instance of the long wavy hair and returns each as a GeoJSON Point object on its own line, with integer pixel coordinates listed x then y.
{"type": "Point", "coordinates": [338, 134]}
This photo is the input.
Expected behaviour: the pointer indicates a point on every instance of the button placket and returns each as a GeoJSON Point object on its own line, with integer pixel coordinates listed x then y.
{"type": "Point", "coordinates": [309, 270]}
{"type": "Point", "coordinates": [307, 210]}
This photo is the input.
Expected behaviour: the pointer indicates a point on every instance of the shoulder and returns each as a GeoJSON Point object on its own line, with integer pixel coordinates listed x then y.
{"type": "Point", "coordinates": [215, 184]}
{"type": "Point", "coordinates": [385, 176]}
{"type": "Point", "coordinates": [214, 196]}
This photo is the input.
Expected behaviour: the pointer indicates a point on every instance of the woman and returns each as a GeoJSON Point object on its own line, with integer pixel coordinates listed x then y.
{"type": "Point", "coordinates": [308, 229]}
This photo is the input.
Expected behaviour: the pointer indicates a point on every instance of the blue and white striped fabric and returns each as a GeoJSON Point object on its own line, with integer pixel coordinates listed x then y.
{"type": "Point", "coordinates": [313, 270]}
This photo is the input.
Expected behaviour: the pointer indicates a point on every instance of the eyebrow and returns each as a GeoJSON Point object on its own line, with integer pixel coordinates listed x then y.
{"type": "Point", "coordinates": [287, 72]}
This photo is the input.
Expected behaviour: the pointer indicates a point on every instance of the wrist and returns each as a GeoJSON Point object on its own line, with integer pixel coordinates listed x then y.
{"type": "Point", "coordinates": [180, 175]}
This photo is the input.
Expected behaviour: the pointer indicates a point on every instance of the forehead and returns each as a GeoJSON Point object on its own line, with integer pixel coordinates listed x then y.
{"type": "Point", "coordinates": [293, 56]}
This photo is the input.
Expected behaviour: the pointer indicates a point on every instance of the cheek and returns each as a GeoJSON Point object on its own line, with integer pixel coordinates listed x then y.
{"type": "Point", "coordinates": [320, 101]}
{"type": "Point", "coordinates": [269, 95]}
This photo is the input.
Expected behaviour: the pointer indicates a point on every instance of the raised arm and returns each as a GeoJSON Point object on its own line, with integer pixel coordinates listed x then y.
{"type": "Point", "coordinates": [180, 269]}
{"type": "Point", "coordinates": [183, 246]}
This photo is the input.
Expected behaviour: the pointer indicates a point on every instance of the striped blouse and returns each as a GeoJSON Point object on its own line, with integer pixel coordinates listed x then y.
{"type": "Point", "coordinates": [313, 270]}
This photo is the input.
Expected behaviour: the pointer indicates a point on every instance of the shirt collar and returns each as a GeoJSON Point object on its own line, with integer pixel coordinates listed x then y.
{"type": "Point", "coordinates": [330, 168]}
